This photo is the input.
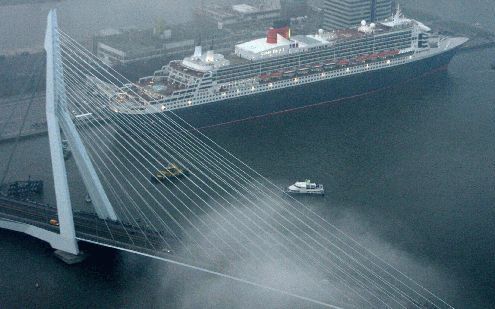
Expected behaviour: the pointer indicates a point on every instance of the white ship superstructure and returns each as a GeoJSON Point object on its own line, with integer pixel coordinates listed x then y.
{"type": "Point", "coordinates": [281, 61]}
{"type": "Point", "coordinates": [306, 187]}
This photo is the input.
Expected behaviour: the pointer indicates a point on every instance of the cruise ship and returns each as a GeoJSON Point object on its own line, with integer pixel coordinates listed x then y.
{"type": "Point", "coordinates": [284, 72]}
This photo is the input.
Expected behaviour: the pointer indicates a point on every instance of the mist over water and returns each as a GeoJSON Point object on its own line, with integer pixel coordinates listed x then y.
{"type": "Point", "coordinates": [408, 171]}
{"type": "Point", "coordinates": [298, 275]}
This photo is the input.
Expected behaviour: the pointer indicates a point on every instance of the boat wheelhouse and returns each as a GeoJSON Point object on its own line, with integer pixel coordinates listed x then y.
{"type": "Point", "coordinates": [306, 187]}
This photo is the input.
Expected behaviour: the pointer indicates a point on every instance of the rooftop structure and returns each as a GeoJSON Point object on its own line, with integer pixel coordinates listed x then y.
{"type": "Point", "coordinates": [238, 15]}
{"type": "Point", "coordinates": [398, 20]}
{"type": "Point", "coordinates": [276, 43]}
{"type": "Point", "coordinates": [205, 62]}
{"type": "Point", "coordinates": [259, 48]}
{"type": "Point", "coordinates": [244, 9]}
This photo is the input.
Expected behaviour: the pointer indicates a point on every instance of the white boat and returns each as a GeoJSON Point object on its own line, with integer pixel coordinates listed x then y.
{"type": "Point", "coordinates": [306, 187]}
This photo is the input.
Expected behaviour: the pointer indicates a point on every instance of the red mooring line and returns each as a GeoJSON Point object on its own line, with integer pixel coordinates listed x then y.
{"type": "Point", "coordinates": [289, 110]}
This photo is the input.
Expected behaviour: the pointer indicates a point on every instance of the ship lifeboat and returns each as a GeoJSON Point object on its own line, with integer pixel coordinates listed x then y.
{"type": "Point", "coordinates": [394, 52]}
{"type": "Point", "coordinates": [276, 75]}
{"type": "Point", "coordinates": [303, 70]}
{"type": "Point", "coordinates": [317, 68]}
{"type": "Point", "coordinates": [264, 77]}
{"type": "Point", "coordinates": [361, 58]}
{"type": "Point", "coordinates": [373, 57]}
{"type": "Point", "coordinates": [383, 54]}
{"type": "Point", "coordinates": [289, 73]}
{"type": "Point", "coordinates": [343, 62]}
{"type": "Point", "coordinates": [329, 65]}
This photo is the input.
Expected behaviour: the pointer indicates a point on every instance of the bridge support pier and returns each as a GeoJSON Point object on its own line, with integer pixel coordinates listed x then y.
{"type": "Point", "coordinates": [54, 239]}
{"type": "Point", "coordinates": [70, 258]}
{"type": "Point", "coordinates": [57, 118]}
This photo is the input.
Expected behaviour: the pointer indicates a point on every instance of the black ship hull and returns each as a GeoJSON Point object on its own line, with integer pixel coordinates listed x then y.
{"type": "Point", "coordinates": [300, 96]}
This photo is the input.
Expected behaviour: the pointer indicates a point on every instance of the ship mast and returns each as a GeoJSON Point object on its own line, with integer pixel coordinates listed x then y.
{"type": "Point", "coordinates": [398, 13]}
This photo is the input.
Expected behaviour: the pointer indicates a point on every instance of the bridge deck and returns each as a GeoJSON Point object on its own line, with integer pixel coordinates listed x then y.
{"type": "Point", "coordinates": [90, 228]}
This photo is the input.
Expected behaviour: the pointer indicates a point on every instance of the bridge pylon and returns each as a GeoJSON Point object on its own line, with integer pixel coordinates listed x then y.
{"type": "Point", "coordinates": [58, 117]}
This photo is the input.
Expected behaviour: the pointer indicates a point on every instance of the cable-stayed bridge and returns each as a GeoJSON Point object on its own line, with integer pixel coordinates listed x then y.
{"type": "Point", "coordinates": [223, 218]}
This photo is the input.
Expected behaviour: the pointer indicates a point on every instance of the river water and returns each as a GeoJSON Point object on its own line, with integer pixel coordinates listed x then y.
{"type": "Point", "coordinates": [409, 173]}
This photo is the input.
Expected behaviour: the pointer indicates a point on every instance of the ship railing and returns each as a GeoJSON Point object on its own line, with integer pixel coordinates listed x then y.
{"type": "Point", "coordinates": [146, 79]}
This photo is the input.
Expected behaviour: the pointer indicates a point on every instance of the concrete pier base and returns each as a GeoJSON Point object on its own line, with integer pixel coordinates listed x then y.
{"type": "Point", "coordinates": [70, 258]}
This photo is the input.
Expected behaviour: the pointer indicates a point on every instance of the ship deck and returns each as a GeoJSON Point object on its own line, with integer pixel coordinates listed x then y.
{"type": "Point", "coordinates": [236, 60]}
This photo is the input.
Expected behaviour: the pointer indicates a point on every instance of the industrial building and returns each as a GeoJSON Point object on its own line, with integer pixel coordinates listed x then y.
{"type": "Point", "coordinates": [131, 45]}
{"type": "Point", "coordinates": [339, 14]}
{"type": "Point", "coordinates": [238, 15]}
{"type": "Point", "coordinates": [293, 8]}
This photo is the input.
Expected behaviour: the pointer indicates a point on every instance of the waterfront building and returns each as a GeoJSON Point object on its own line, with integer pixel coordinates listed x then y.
{"type": "Point", "coordinates": [238, 15]}
{"type": "Point", "coordinates": [340, 14]}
